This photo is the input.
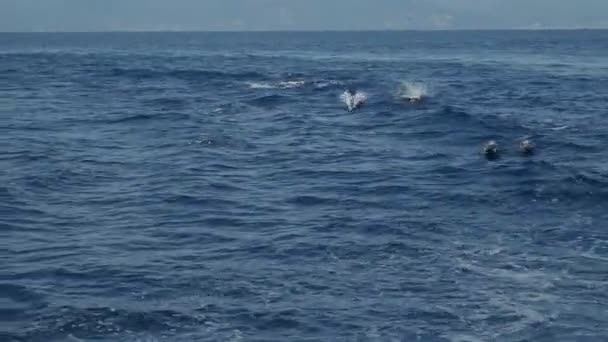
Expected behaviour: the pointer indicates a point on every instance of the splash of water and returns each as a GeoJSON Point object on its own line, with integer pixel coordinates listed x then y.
{"type": "Point", "coordinates": [353, 101]}
{"type": "Point", "coordinates": [413, 91]}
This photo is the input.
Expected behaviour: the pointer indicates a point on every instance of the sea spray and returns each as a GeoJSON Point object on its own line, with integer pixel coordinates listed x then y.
{"type": "Point", "coordinates": [412, 91]}
{"type": "Point", "coordinates": [353, 100]}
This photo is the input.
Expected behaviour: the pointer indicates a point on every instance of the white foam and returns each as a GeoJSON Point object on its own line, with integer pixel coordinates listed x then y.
{"type": "Point", "coordinates": [282, 85]}
{"type": "Point", "coordinates": [517, 274]}
{"type": "Point", "coordinates": [412, 91]}
{"type": "Point", "coordinates": [325, 84]}
{"type": "Point", "coordinates": [256, 85]}
{"type": "Point", "coordinates": [353, 101]}
{"type": "Point", "coordinates": [291, 84]}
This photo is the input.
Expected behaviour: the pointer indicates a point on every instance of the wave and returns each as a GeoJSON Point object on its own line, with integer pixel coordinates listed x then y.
{"type": "Point", "coordinates": [469, 123]}
{"type": "Point", "coordinates": [84, 322]}
{"type": "Point", "coordinates": [312, 200]}
{"type": "Point", "coordinates": [281, 84]}
{"type": "Point", "coordinates": [326, 84]}
{"type": "Point", "coordinates": [221, 140]}
{"type": "Point", "coordinates": [318, 84]}
{"type": "Point", "coordinates": [166, 102]}
{"type": "Point", "coordinates": [147, 117]}
{"type": "Point", "coordinates": [268, 101]}
{"type": "Point", "coordinates": [184, 74]}
{"type": "Point", "coordinates": [260, 85]}
{"type": "Point", "coordinates": [291, 84]}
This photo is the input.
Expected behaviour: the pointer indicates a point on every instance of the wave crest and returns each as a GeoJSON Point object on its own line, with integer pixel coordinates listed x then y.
{"type": "Point", "coordinates": [281, 84]}
{"type": "Point", "coordinates": [260, 85]}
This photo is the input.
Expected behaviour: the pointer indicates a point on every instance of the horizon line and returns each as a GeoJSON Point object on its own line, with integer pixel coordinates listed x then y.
{"type": "Point", "coordinates": [317, 30]}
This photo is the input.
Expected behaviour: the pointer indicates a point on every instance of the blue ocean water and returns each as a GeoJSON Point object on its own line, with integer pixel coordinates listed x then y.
{"type": "Point", "coordinates": [214, 187]}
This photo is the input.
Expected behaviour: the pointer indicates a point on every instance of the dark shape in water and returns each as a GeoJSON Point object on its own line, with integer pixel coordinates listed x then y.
{"type": "Point", "coordinates": [415, 99]}
{"type": "Point", "coordinates": [490, 150]}
{"type": "Point", "coordinates": [527, 147]}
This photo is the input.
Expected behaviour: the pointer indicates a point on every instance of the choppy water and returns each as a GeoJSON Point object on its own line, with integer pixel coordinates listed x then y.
{"type": "Point", "coordinates": [214, 187]}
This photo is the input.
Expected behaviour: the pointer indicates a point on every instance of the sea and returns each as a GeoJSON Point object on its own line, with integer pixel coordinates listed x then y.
{"type": "Point", "coordinates": [303, 186]}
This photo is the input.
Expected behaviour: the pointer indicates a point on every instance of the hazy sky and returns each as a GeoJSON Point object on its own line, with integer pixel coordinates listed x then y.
{"type": "Point", "coordinates": [102, 15]}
